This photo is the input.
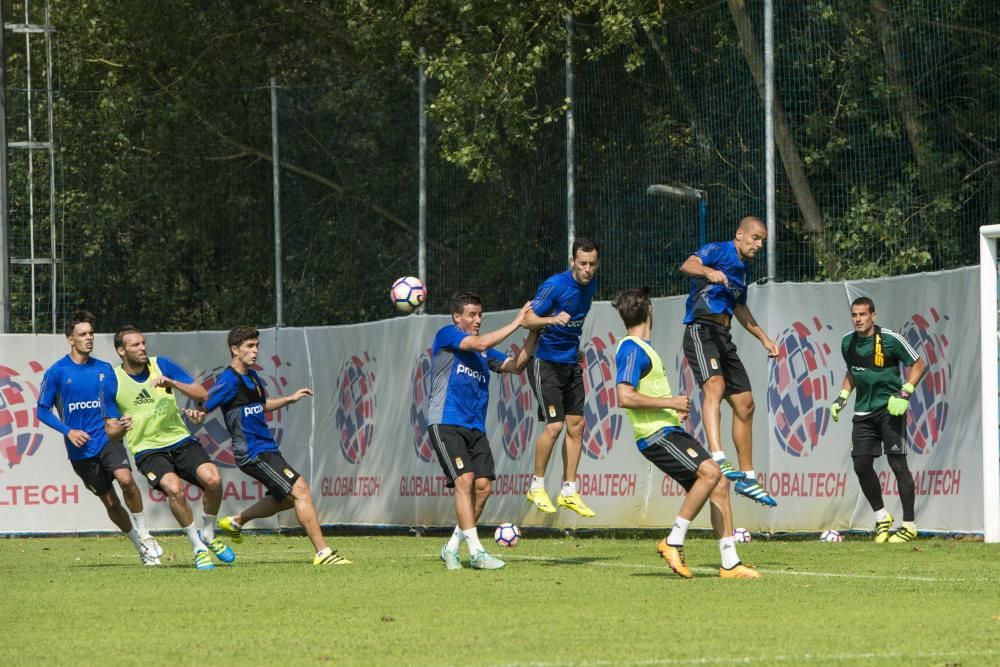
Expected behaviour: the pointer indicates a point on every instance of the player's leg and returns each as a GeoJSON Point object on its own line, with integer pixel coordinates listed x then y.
{"type": "Point", "coordinates": [866, 446]}
{"type": "Point", "coordinates": [731, 566]}
{"type": "Point", "coordinates": [894, 437]}
{"type": "Point", "coordinates": [681, 457]}
{"type": "Point", "coordinates": [114, 458]}
{"type": "Point", "coordinates": [172, 486]}
{"type": "Point", "coordinates": [544, 385]}
{"type": "Point", "coordinates": [743, 410]}
{"type": "Point", "coordinates": [573, 399]}
{"type": "Point", "coordinates": [100, 482]}
{"type": "Point", "coordinates": [701, 349]}
{"type": "Point", "coordinates": [194, 466]}
{"type": "Point", "coordinates": [450, 448]}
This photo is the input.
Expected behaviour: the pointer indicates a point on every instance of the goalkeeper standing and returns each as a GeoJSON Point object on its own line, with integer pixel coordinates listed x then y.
{"type": "Point", "coordinates": [873, 355]}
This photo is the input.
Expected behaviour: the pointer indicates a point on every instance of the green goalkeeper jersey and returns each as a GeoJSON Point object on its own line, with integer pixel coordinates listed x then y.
{"type": "Point", "coordinates": [875, 368]}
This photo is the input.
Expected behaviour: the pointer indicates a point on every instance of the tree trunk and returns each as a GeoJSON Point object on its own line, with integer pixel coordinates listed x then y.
{"type": "Point", "coordinates": [899, 84]}
{"type": "Point", "coordinates": [812, 217]}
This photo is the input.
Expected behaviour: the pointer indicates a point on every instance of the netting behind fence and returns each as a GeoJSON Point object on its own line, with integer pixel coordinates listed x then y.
{"type": "Point", "coordinates": [164, 215]}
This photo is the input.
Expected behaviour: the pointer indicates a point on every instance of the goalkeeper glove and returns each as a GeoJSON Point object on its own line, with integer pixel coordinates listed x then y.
{"type": "Point", "coordinates": [900, 401]}
{"type": "Point", "coordinates": [839, 404]}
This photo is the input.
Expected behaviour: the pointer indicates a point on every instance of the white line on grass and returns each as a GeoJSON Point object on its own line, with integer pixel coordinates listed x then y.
{"type": "Point", "coordinates": [707, 570]}
{"type": "Point", "coordinates": [749, 660]}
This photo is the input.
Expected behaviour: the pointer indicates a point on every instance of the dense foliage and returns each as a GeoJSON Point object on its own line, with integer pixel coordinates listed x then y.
{"type": "Point", "coordinates": [887, 134]}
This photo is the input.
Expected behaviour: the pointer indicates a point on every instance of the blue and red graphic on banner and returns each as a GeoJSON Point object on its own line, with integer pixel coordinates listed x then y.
{"type": "Point", "coordinates": [929, 403]}
{"type": "Point", "coordinates": [515, 411]}
{"type": "Point", "coordinates": [688, 386]}
{"type": "Point", "coordinates": [603, 422]}
{"type": "Point", "coordinates": [356, 411]}
{"type": "Point", "coordinates": [421, 382]}
{"type": "Point", "coordinates": [19, 432]}
{"type": "Point", "coordinates": [800, 388]}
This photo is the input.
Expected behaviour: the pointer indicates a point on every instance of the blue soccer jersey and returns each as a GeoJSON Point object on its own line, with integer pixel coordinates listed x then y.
{"type": "Point", "coordinates": [560, 343]}
{"type": "Point", "coordinates": [80, 394]}
{"type": "Point", "coordinates": [460, 380]}
{"type": "Point", "coordinates": [709, 298]}
{"type": "Point", "coordinates": [242, 398]}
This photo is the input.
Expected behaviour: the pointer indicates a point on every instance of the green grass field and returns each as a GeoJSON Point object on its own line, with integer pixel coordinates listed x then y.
{"type": "Point", "coordinates": [560, 601]}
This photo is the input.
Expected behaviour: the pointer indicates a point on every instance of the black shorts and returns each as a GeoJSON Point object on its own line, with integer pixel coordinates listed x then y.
{"type": "Point", "coordinates": [182, 460]}
{"type": "Point", "coordinates": [677, 454]}
{"type": "Point", "coordinates": [558, 389]}
{"type": "Point", "coordinates": [98, 472]}
{"type": "Point", "coordinates": [460, 451]}
{"type": "Point", "coordinates": [271, 470]}
{"type": "Point", "coordinates": [710, 351]}
{"type": "Point", "coordinates": [876, 429]}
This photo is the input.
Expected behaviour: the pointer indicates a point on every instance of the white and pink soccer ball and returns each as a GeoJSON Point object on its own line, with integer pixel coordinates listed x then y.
{"type": "Point", "coordinates": [408, 294]}
{"type": "Point", "coordinates": [507, 535]}
{"type": "Point", "coordinates": [831, 536]}
{"type": "Point", "coordinates": [742, 535]}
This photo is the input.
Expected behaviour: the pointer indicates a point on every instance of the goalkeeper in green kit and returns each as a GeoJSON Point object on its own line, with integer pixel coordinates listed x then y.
{"type": "Point", "coordinates": [873, 355]}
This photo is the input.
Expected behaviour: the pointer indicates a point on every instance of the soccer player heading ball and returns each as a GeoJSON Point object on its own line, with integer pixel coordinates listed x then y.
{"type": "Point", "coordinates": [719, 293]}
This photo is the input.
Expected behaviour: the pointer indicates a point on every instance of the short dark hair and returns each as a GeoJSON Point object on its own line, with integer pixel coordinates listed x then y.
{"type": "Point", "coordinates": [584, 244]}
{"type": "Point", "coordinates": [633, 306]}
{"type": "Point", "coordinates": [750, 221]}
{"type": "Point", "coordinates": [864, 301]}
{"type": "Point", "coordinates": [122, 332]}
{"type": "Point", "coordinates": [240, 333]}
{"type": "Point", "coordinates": [459, 300]}
{"type": "Point", "coordinates": [78, 317]}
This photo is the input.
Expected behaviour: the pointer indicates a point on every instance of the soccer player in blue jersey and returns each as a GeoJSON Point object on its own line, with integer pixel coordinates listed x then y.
{"type": "Point", "coordinates": [643, 391]}
{"type": "Point", "coordinates": [461, 361]}
{"type": "Point", "coordinates": [145, 390]}
{"type": "Point", "coordinates": [77, 387]}
{"type": "Point", "coordinates": [559, 308]}
{"type": "Point", "coordinates": [240, 393]}
{"type": "Point", "coordinates": [719, 293]}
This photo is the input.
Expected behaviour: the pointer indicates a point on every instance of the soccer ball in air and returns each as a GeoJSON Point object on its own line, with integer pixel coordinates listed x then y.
{"type": "Point", "coordinates": [831, 536]}
{"type": "Point", "coordinates": [742, 535]}
{"type": "Point", "coordinates": [408, 294]}
{"type": "Point", "coordinates": [507, 535]}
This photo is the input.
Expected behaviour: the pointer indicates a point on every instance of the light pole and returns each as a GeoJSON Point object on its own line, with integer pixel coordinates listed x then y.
{"type": "Point", "coordinates": [686, 193]}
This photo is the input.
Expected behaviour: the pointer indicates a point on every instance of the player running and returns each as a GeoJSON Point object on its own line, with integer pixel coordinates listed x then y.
{"type": "Point", "coordinates": [240, 393]}
{"type": "Point", "coordinates": [77, 386]}
{"type": "Point", "coordinates": [144, 389]}
{"type": "Point", "coordinates": [719, 293]}
{"type": "Point", "coordinates": [873, 355]}
{"type": "Point", "coordinates": [559, 309]}
{"type": "Point", "coordinates": [644, 392]}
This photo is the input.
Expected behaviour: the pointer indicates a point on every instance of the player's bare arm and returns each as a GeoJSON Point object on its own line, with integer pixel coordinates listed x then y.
{"type": "Point", "coordinates": [192, 390]}
{"type": "Point", "coordinates": [629, 397]}
{"type": "Point", "coordinates": [517, 363]}
{"type": "Point", "coordinates": [916, 372]}
{"type": "Point", "coordinates": [117, 428]}
{"type": "Point", "coordinates": [746, 318]}
{"type": "Point", "coordinates": [534, 321]}
{"type": "Point", "coordinates": [694, 268]}
{"type": "Point", "coordinates": [273, 404]}
{"type": "Point", "coordinates": [77, 437]}
{"type": "Point", "coordinates": [482, 342]}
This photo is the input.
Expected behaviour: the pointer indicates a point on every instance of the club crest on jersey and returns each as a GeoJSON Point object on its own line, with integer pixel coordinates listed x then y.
{"type": "Point", "coordinates": [459, 463]}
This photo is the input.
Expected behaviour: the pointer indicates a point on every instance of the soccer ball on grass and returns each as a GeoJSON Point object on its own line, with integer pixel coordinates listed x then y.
{"type": "Point", "coordinates": [507, 535]}
{"type": "Point", "coordinates": [831, 536]}
{"type": "Point", "coordinates": [742, 535]}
